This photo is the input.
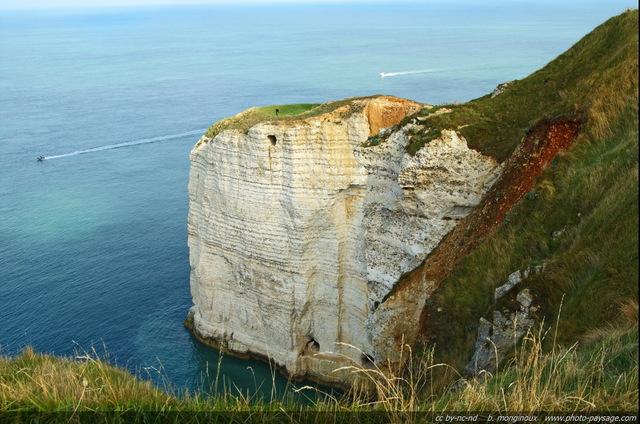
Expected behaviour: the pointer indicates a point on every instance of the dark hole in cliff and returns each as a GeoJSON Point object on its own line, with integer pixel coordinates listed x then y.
{"type": "Point", "coordinates": [312, 344]}
{"type": "Point", "coordinates": [375, 305]}
{"type": "Point", "coordinates": [272, 139]}
{"type": "Point", "coordinates": [366, 359]}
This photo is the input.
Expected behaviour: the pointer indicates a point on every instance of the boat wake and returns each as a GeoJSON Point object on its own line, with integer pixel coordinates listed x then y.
{"type": "Point", "coordinates": [126, 144]}
{"type": "Point", "coordinates": [422, 71]}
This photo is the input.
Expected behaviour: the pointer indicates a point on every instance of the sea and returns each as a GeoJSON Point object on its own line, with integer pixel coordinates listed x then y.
{"type": "Point", "coordinates": [93, 239]}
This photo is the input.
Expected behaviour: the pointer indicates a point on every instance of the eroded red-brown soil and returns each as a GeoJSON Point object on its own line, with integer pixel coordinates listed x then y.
{"type": "Point", "coordinates": [535, 152]}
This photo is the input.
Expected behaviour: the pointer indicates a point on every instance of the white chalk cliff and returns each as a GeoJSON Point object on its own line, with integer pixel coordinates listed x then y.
{"type": "Point", "coordinates": [297, 231]}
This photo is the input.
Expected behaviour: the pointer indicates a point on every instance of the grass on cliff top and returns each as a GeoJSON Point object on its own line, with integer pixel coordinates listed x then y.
{"type": "Point", "coordinates": [581, 217]}
{"type": "Point", "coordinates": [601, 375]}
{"type": "Point", "coordinates": [287, 110]}
{"type": "Point", "coordinates": [596, 79]}
{"type": "Point", "coordinates": [287, 113]}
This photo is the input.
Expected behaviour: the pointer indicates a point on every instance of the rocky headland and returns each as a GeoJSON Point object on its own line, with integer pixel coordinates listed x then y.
{"type": "Point", "coordinates": [299, 230]}
{"type": "Point", "coordinates": [329, 239]}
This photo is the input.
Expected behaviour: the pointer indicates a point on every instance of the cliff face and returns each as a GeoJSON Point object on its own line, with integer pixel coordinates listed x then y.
{"type": "Point", "coordinates": [297, 232]}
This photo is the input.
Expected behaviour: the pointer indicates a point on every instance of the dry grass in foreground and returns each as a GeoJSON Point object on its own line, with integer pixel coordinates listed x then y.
{"type": "Point", "coordinates": [601, 375]}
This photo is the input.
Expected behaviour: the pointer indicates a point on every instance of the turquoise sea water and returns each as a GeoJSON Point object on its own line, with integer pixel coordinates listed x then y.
{"type": "Point", "coordinates": [93, 240]}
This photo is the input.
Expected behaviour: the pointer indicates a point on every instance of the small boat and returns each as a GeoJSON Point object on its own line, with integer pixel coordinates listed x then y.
{"type": "Point", "coordinates": [40, 158]}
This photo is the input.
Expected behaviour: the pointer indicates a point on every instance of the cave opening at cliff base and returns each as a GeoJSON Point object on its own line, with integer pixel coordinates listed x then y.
{"type": "Point", "coordinates": [273, 139]}
{"type": "Point", "coordinates": [367, 360]}
{"type": "Point", "coordinates": [313, 345]}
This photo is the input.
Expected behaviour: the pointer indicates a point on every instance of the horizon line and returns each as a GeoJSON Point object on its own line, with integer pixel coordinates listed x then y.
{"type": "Point", "coordinates": [107, 4]}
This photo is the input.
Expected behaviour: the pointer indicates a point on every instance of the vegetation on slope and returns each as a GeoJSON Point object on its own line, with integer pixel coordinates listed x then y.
{"type": "Point", "coordinates": [581, 218]}
{"type": "Point", "coordinates": [596, 77]}
{"type": "Point", "coordinates": [602, 376]}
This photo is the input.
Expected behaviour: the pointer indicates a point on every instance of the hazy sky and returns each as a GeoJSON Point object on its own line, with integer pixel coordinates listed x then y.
{"type": "Point", "coordinates": [27, 4]}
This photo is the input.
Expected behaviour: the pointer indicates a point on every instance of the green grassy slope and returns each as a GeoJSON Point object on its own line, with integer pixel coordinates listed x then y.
{"type": "Point", "coordinates": [581, 218]}
{"type": "Point", "coordinates": [596, 77]}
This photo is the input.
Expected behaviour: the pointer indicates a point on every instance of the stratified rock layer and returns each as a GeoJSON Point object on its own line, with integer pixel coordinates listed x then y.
{"type": "Point", "coordinates": [297, 232]}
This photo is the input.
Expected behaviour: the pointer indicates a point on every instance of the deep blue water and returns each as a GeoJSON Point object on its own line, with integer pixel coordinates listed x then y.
{"type": "Point", "coordinates": [93, 240]}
